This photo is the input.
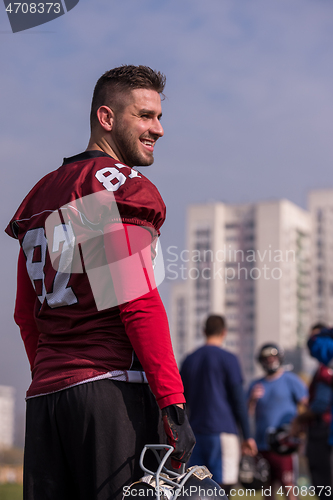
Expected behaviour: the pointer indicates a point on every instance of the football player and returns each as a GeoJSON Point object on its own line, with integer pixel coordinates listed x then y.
{"type": "Point", "coordinates": [92, 321]}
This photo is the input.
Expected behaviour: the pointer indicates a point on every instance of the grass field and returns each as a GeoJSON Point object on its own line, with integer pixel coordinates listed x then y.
{"type": "Point", "coordinates": [11, 492]}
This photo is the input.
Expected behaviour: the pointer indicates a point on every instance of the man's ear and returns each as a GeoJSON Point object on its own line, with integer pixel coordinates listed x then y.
{"type": "Point", "coordinates": [105, 116]}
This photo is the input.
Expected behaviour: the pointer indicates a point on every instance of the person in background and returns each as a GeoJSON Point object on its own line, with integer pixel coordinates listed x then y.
{"type": "Point", "coordinates": [320, 345]}
{"type": "Point", "coordinates": [316, 421]}
{"type": "Point", "coordinates": [273, 401]}
{"type": "Point", "coordinates": [217, 406]}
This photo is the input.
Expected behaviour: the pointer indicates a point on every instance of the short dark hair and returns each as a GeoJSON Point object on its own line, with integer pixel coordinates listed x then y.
{"type": "Point", "coordinates": [214, 325]}
{"type": "Point", "coordinates": [318, 326]}
{"type": "Point", "coordinates": [124, 79]}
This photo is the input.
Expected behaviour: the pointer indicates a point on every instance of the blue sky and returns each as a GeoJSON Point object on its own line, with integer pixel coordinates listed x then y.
{"type": "Point", "coordinates": [248, 114]}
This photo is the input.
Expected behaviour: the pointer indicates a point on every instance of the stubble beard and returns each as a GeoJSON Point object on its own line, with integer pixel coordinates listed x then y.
{"type": "Point", "coordinates": [129, 149]}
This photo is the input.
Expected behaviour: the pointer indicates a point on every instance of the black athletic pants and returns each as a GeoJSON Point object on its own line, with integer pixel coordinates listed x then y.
{"type": "Point", "coordinates": [84, 443]}
{"type": "Point", "coordinates": [318, 452]}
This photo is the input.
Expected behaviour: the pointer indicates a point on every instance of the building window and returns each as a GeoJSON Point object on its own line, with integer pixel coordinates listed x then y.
{"type": "Point", "coordinates": [202, 233]}
{"type": "Point", "coordinates": [319, 215]}
{"type": "Point", "coordinates": [231, 304]}
{"type": "Point", "coordinates": [320, 286]}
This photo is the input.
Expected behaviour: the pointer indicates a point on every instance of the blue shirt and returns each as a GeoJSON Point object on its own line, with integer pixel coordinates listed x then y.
{"type": "Point", "coordinates": [321, 346]}
{"type": "Point", "coordinates": [213, 390]}
{"type": "Point", "coordinates": [278, 405]}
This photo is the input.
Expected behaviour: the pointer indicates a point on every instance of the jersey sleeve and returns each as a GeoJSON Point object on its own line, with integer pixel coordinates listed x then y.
{"type": "Point", "coordinates": [325, 375]}
{"type": "Point", "coordinates": [127, 249]}
{"type": "Point", "coordinates": [122, 195]}
{"type": "Point", "coordinates": [24, 310]}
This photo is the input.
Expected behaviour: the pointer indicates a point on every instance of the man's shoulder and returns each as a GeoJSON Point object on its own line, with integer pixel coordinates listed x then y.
{"type": "Point", "coordinates": [288, 380]}
{"type": "Point", "coordinates": [137, 198]}
{"type": "Point", "coordinates": [193, 357]}
{"type": "Point", "coordinates": [289, 375]}
{"type": "Point", "coordinates": [228, 354]}
{"type": "Point", "coordinates": [107, 172]}
{"type": "Point", "coordinates": [229, 358]}
{"type": "Point", "coordinates": [220, 355]}
{"type": "Point", "coordinates": [98, 181]}
{"type": "Point", "coordinates": [213, 350]}
{"type": "Point", "coordinates": [194, 354]}
{"type": "Point", "coordinates": [293, 378]}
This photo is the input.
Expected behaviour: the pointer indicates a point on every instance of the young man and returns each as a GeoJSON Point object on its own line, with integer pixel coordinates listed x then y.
{"type": "Point", "coordinates": [214, 393]}
{"type": "Point", "coordinates": [273, 401]}
{"type": "Point", "coordinates": [87, 304]}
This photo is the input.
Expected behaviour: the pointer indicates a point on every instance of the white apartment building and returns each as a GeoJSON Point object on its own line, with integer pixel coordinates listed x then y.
{"type": "Point", "coordinates": [6, 416]}
{"type": "Point", "coordinates": [178, 320]}
{"type": "Point", "coordinates": [250, 263]}
{"type": "Point", "coordinates": [320, 204]}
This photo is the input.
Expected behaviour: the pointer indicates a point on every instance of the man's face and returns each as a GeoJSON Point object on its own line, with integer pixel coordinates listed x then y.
{"type": "Point", "coordinates": [271, 364]}
{"type": "Point", "coordinates": [137, 127]}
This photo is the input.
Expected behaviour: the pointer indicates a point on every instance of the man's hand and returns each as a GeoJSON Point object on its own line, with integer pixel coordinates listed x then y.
{"type": "Point", "coordinates": [257, 392]}
{"type": "Point", "coordinates": [179, 433]}
{"type": "Point", "coordinates": [300, 423]}
{"type": "Point", "coordinates": [249, 447]}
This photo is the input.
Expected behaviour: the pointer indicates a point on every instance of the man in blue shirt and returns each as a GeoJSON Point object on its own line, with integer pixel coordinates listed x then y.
{"type": "Point", "coordinates": [215, 399]}
{"type": "Point", "coordinates": [273, 401]}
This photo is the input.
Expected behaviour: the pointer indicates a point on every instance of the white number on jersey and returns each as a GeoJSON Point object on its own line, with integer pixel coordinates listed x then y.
{"type": "Point", "coordinates": [112, 179]}
{"type": "Point", "coordinates": [62, 295]}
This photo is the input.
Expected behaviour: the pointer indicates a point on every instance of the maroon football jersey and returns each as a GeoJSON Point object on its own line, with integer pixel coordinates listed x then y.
{"type": "Point", "coordinates": [60, 228]}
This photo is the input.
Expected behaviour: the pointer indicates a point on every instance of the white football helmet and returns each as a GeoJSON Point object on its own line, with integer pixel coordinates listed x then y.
{"type": "Point", "coordinates": [165, 484]}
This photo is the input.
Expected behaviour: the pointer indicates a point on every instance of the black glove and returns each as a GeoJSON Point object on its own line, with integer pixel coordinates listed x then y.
{"type": "Point", "coordinates": [179, 433]}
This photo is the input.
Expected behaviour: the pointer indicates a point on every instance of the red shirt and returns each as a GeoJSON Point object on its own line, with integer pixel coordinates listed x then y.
{"type": "Point", "coordinates": [72, 321]}
{"type": "Point", "coordinates": [323, 375]}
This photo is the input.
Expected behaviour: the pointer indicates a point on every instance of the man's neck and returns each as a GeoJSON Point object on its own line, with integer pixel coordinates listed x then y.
{"type": "Point", "coordinates": [215, 340]}
{"type": "Point", "coordinates": [102, 145]}
{"type": "Point", "coordinates": [275, 375]}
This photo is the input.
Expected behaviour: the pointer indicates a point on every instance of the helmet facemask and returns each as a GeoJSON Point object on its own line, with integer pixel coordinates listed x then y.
{"type": "Point", "coordinates": [270, 359]}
